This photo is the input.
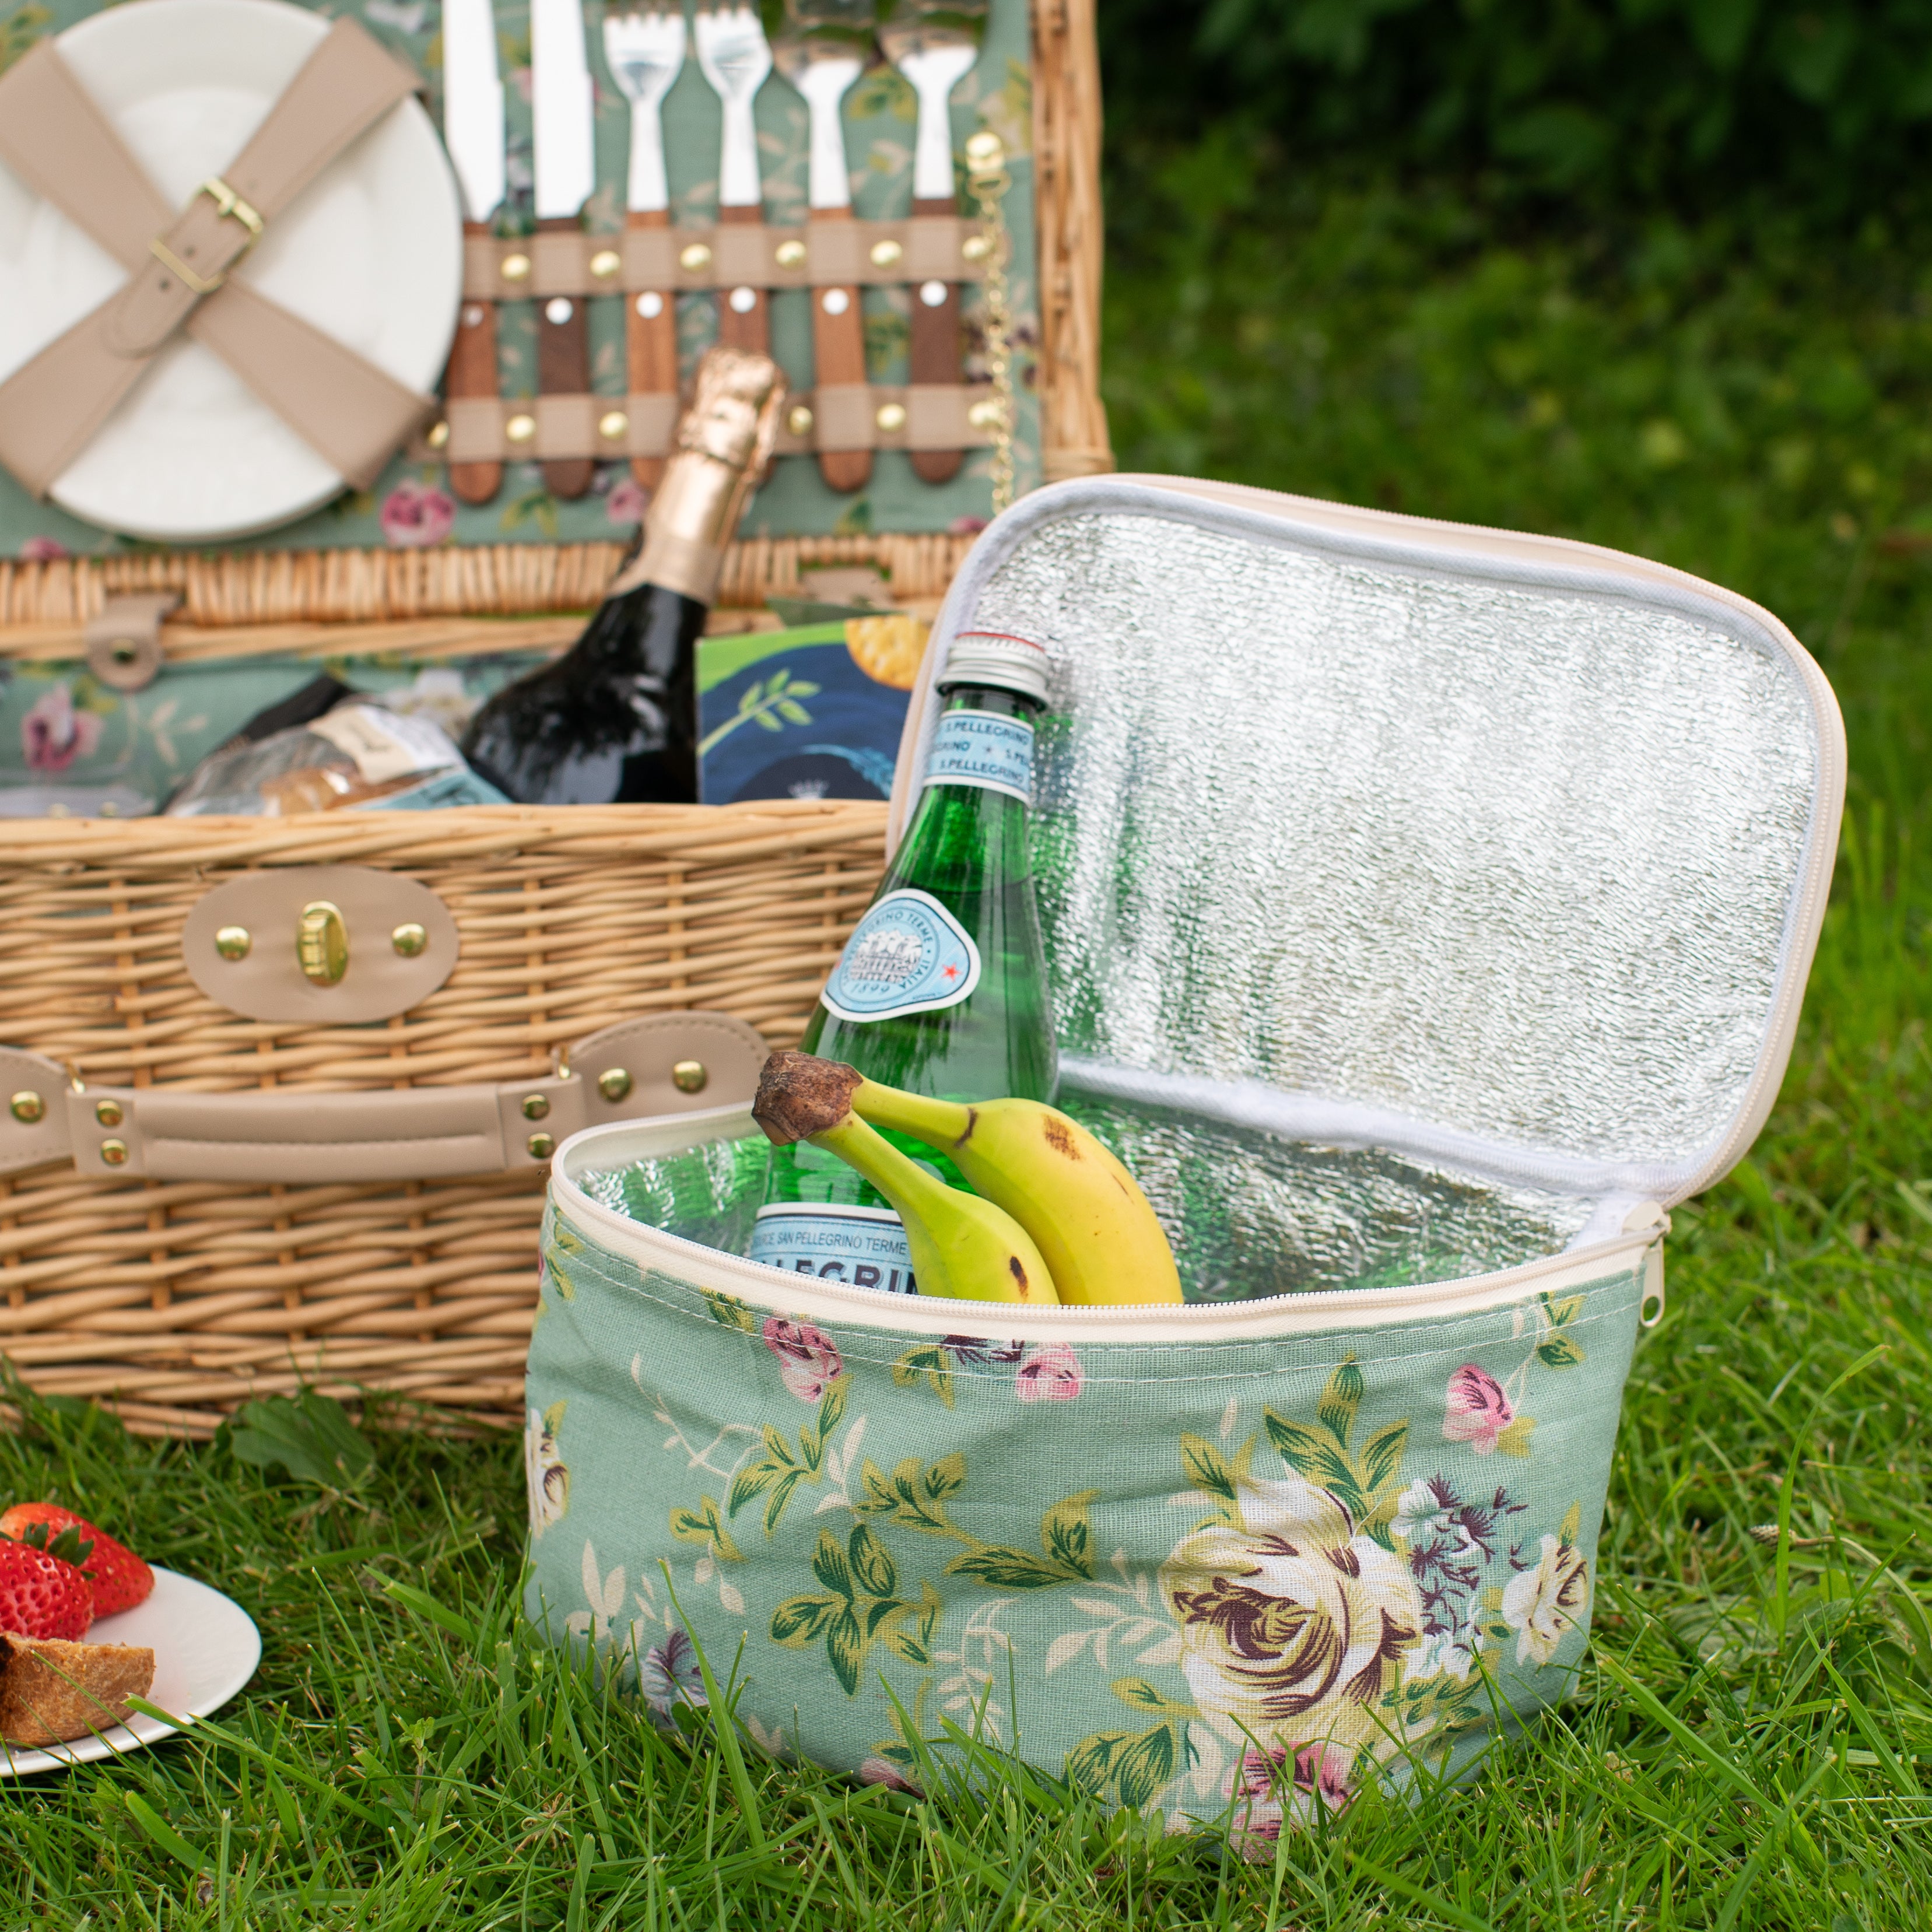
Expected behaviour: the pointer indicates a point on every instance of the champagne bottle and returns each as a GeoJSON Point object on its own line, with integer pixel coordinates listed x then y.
{"type": "Point", "coordinates": [615, 719]}
{"type": "Point", "coordinates": [941, 988]}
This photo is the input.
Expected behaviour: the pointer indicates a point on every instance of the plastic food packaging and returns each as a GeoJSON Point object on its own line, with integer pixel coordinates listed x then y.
{"type": "Point", "coordinates": [358, 753]}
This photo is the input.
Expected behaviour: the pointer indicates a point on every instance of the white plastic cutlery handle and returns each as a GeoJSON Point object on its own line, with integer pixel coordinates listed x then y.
{"type": "Point", "coordinates": [934, 73]}
{"type": "Point", "coordinates": [825, 84]}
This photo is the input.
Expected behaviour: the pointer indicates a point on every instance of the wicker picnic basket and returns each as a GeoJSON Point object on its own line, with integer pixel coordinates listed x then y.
{"type": "Point", "coordinates": [175, 1235]}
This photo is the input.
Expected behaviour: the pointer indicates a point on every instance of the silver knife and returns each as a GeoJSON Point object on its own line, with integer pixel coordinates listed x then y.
{"type": "Point", "coordinates": [565, 160]}
{"type": "Point", "coordinates": [472, 130]}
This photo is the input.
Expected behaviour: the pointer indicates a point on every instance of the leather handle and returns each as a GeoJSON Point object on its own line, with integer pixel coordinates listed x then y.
{"type": "Point", "coordinates": [650, 340]}
{"type": "Point", "coordinates": [935, 352]}
{"type": "Point", "coordinates": [563, 368]}
{"type": "Point", "coordinates": [838, 358]}
{"type": "Point", "coordinates": [749, 327]}
{"type": "Point", "coordinates": [628, 1071]}
{"type": "Point", "coordinates": [471, 375]}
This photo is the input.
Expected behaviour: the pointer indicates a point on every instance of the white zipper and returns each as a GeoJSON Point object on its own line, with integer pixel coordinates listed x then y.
{"type": "Point", "coordinates": [783, 1293]}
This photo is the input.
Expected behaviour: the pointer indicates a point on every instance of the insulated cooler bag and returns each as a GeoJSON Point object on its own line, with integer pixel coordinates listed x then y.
{"type": "Point", "coordinates": [1427, 909]}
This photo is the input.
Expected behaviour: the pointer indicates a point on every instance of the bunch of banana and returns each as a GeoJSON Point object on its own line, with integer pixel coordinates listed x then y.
{"type": "Point", "coordinates": [1043, 1180]}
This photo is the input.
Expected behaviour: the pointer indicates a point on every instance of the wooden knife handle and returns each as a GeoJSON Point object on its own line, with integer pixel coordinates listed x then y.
{"type": "Point", "coordinates": [563, 368]}
{"type": "Point", "coordinates": [749, 328]}
{"type": "Point", "coordinates": [472, 374]}
{"type": "Point", "coordinates": [935, 353]}
{"type": "Point", "coordinates": [839, 357]}
{"type": "Point", "coordinates": [651, 342]}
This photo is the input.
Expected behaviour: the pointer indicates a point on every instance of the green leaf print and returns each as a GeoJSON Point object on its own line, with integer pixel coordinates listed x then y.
{"type": "Point", "coordinates": [1206, 1467]}
{"type": "Point", "coordinates": [859, 1606]}
{"type": "Point", "coordinates": [703, 1526]}
{"type": "Point", "coordinates": [1145, 1696]}
{"type": "Point", "coordinates": [1366, 1482]}
{"type": "Point", "coordinates": [933, 1364]}
{"type": "Point", "coordinates": [1560, 1351]}
{"type": "Point", "coordinates": [778, 1472]}
{"type": "Point", "coordinates": [1065, 1539]}
{"type": "Point", "coordinates": [1128, 1767]}
{"type": "Point", "coordinates": [729, 1311]}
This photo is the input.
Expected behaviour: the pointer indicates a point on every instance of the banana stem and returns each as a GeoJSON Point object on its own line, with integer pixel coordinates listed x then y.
{"type": "Point", "coordinates": [940, 1123]}
{"type": "Point", "coordinates": [900, 1179]}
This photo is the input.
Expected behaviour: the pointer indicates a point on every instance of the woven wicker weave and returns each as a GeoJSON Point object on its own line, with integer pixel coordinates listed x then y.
{"type": "Point", "coordinates": [171, 1302]}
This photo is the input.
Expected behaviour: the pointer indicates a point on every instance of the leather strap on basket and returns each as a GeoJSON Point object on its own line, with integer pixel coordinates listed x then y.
{"type": "Point", "coordinates": [297, 1139]}
{"type": "Point", "coordinates": [57, 140]}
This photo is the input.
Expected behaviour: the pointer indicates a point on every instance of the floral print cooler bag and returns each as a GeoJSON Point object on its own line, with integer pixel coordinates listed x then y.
{"type": "Point", "coordinates": [1427, 909]}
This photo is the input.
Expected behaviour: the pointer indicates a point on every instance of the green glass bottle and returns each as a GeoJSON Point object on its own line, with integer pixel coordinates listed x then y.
{"type": "Point", "coordinates": [942, 987]}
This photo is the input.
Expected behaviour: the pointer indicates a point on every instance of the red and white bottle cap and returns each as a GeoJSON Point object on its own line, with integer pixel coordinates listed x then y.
{"type": "Point", "coordinates": [998, 658]}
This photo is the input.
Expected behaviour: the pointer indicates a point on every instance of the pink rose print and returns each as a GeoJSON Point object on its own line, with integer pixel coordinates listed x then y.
{"type": "Point", "coordinates": [877, 1770]}
{"type": "Point", "coordinates": [965, 526]}
{"type": "Point", "coordinates": [625, 506]}
{"type": "Point", "coordinates": [53, 734]}
{"type": "Point", "coordinates": [1268, 1795]}
{"type": "Point", "coordinates": [808, 1359]}
{"type": "Point", "coordinates": [1477, 1411]}
{"type": "Point", "coordinates": [1048, 1374]}
{"type": "Point", "coordinates": [42, 550]}
{"type": "Point", "coordinates": [414, 518]}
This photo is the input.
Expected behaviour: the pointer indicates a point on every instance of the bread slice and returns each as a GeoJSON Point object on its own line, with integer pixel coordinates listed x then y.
{"type": "Point", "coordinates": [51, 1691]}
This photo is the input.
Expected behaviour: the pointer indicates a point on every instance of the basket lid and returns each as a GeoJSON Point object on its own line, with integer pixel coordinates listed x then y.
{"type": "Point", "coordinates": [1364, 828]}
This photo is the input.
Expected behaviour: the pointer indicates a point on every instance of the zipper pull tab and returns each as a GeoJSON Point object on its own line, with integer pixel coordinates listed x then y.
{"type": "Point", "coordinates": [1648, 1216]}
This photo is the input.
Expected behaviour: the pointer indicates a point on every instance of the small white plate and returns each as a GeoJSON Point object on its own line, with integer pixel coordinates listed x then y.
{"type": "Point", "coordinates": [371, 253]}
{"type": "Point", "coordinates": [206, 1646]}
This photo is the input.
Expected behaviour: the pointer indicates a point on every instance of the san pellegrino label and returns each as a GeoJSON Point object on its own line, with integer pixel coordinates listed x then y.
{"type": "Point", "coordinates": [980, 748]}
{"type": "Point", "coordinates": [865, 1247]}
{"type": "Point", "coordinates": [908, 955]}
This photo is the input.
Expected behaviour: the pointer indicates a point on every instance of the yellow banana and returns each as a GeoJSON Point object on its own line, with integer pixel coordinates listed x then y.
{"type": "Point", "coordinates": [961, 1246]}
{"type": "Point", "coordinates": [1100, 1238]}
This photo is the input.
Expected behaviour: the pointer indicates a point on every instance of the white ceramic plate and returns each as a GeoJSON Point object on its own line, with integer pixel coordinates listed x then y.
{"type": "Point", "coordinates": [206, 1646]}
{"type": "Point", "coordinates": [372, 253]}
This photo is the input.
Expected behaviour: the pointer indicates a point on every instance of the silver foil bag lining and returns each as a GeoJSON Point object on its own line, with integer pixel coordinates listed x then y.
{"type": "Point", "coordinates": [1248, 1214]}
{"type": "Point", "coordinates": [1511, 860]}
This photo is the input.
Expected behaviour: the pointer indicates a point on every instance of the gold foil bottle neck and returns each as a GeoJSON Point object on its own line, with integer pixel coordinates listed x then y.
{"type": "Point", "coordinates": [724, 442]}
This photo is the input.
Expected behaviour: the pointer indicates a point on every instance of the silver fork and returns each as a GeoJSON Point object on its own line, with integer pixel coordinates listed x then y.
{"type": "Point", "coordinates": [735, 57]}
{"type": "Point", "coordinates": [644, 44]}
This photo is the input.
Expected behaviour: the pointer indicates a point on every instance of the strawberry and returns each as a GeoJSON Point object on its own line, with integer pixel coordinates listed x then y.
{"type": "Point", "coordinates": [120, 1579]}
{"type": "Point", "coordinates": [41, 1595]}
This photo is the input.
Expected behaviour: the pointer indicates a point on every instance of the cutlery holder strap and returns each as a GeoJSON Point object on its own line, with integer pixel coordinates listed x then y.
{"type": "Point", "coordinates": [53, 134]}
{"type": "Point", "coordinates": [297, 1138]}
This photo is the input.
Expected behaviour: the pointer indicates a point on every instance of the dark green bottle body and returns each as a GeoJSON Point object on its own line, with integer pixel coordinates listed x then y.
{"type": "Point", "coordinates": [964, 871]}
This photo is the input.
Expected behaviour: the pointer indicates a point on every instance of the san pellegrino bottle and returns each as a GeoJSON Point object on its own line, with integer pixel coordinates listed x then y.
{"type": "Point", "coordinates": [615, 719]}
{"type": "Point", "coordinates": [941, 988]}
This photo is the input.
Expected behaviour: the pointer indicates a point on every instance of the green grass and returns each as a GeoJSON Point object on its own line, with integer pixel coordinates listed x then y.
{"type": "Point", "coordinates": [1750, 1748]}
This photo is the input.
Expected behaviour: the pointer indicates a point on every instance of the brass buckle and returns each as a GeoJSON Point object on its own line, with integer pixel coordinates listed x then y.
{"type": "Point", "coordinates": [232, 207]}
{"type": "Point", "coordinates": [232, 204]}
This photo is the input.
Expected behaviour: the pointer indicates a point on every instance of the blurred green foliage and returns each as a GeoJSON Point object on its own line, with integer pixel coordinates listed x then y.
{"type": "Point", "coordinates": [1697, 104]}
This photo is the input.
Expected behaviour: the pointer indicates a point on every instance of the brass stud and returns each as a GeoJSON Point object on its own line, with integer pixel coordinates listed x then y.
{"type": "Point", "coordinates": [799, 420]}
{"type": "Point", "coordinates": [614, 426]}
{"type": "Point", "coordinates": [689, 1076]}
{"type": "Point", "coordinates": [697, 255]}
{"type": "Point", "coordinates": [27, 1106]}
{"type": "Point", "coordinates": [886, 252]}
{"type": "Point", "coordinates": [790, 254]}
{"type": "Point", "coordinates": [984, 151]}
{"type": "Point", "coordinates": [976, 247]}
{"type": "Point", "coordinates": [515, 268]}
{"type": "Point", "coordinates": [232, 942]}
{"type": "Point", "coordinates": [520, 429]}
{"type": "Point", "coordinates": [987, 414]}
{"type": "Point", "coordinates": [108, 1113]}
{"type": "Point", "coordinates": [114, 1153]}
{"type": "Point", "coordinates": [541, 1146]}
{"type": "Point", "coordinates": [614, 1083]}
{"type": "Point", "coordinates": [535, 1107]}
{"type": "Point", "coordinates": [437, 436]}
{"type": "Point", "coordinates": [891, 417]}
{"type": "Point", "coordinates": [605, 263]}
{"type": "Point", "coordinates": [410, 939]}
